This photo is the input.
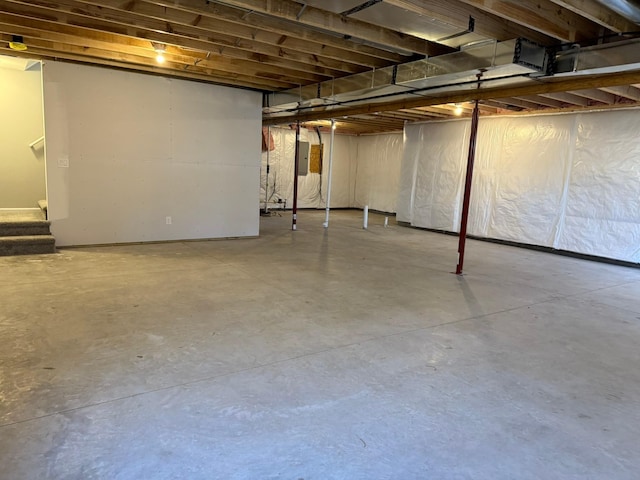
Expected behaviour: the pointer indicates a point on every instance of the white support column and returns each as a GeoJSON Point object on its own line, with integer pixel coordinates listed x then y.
{"type": "Point", "coordinates": [328, 207]}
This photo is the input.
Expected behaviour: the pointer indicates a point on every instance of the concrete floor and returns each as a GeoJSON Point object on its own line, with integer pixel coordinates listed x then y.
{"type": "Point", "coordinates": [339, 354]}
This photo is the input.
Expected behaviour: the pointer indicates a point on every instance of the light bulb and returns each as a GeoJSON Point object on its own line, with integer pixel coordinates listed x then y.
{"type": "Point", "coordinates": [160, 58]}
{"type": "Point", "coordinates": [458, 110]}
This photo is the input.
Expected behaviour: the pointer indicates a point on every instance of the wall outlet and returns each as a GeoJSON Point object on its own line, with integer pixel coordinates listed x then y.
{"type": "Point", "coordinates": [168, 220]}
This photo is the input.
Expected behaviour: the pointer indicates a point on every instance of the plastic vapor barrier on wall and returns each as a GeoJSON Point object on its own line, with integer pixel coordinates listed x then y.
{"type": "Point", "coordinates": [366, 171]}
{"type": "Point", "coordinates": [378, 171]}
{"type": "Point", "coordinates": [571, 181]}
{"type": "Point", "coordinates": [312, 187]}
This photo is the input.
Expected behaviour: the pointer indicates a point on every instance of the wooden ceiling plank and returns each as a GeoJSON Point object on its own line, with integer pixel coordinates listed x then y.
{"type": "Point", "coordinates": [535, 88]}
{"type": "Point", "coordinates": [234, 35]}
{"type": "Point", "coordinates": [71, 10]}
{"type": "Point", "coordinates": [543, 16]}
{"type": "Point", "coordinates": [517, 102]}
{"type": "Point", "coordinates": [597, 95]}
{"type": "Point", "coordinates": [270, 77]}
{"type": "Point", "coordinates": [433, 112]}
{"type": "Point", "coordinates": [541, 100]}
{"type": "Point", "coordinates": [502, 105]}
{"type": "Point", "coordinates": [176, 63]}
{"type": "Point", "coordinates": [285, 29]}
{"type": "Point", "coordinates": [457, 14]}
{"type": "Point", "coordinates": [208, 77]}
{"type": "Point", "coordinates": [598, 13]}
{"type": "Point", "coordinates": [77, 35]}
{"type": "Point", "coordinates": [333, 22]}
{"type": "Point", "coordinates": [567, 97]}
{"type": "Point", "coordinates": [625, 91]}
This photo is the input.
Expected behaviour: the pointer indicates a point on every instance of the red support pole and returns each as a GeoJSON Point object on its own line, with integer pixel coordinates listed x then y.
{"type": "Point", "coordinates": [295, 179]}
{"type": "Point", "coordinates": [467, 188]}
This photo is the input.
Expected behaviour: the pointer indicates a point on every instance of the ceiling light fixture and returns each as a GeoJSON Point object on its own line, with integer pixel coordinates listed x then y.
{"type": "Point", "coordinates": [160, 49]}
{"type": "Point", "coordinates": [458, 110]}
{"type": "Point", "coordinates": [17, 43]}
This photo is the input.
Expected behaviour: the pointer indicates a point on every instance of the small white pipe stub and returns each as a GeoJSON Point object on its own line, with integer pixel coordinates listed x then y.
{"type": "Point", "coordinates": [366, 217]}
{"type": "Point", "coordinates": [386, 222]}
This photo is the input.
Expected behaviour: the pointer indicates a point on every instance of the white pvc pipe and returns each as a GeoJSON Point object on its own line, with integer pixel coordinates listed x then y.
{"type": "Point", "coordinates": [326, 215]}
{"type": "Point", "coordinates": [266, 182]}
{"type": "Point", "coordinates": [366, 217]}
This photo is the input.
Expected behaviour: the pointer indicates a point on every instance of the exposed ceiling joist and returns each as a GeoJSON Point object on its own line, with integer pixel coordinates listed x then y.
{"type": "Point", "coordinates": [568, 98]}
{"type": "Point", "coordinates": [347, 26]}
{"type": "Point", "coordinates": [288, 35]}
{"type": "Point", "coordinates": [598, 13]}
{"type": "Point", "coordinates": [275, 45]}
{"type": "Point", "coordinates": [628, 91]}
{"type": "Point", "coordinates": [456, 13]}
{"type": "Point", "coordinates": [543, 16]}
{"type": "Point", "coordinates": [595, 94]}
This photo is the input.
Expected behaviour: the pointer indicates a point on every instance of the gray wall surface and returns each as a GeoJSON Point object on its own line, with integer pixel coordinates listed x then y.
{"type": "Point", "coordinates": [22, 177]}
{"type": "Point", "coordinates": [125, 151]}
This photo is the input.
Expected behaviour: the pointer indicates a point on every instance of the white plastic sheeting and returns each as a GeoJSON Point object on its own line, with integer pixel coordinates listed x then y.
{"type": "Point", "coordinates": [311, 187]}
{"type": "Point", "coordinates": [377, 179]}
{"type": "Point", "coordinates": [571, 182]}
{"type": "Point", "coordinates": [366, 171]}
{"type": "Point", "coordinates": [602, 214]}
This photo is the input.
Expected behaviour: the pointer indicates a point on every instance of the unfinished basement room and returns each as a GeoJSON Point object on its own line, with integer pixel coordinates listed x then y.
{"type": "Point", "coordinates": [318, 240]}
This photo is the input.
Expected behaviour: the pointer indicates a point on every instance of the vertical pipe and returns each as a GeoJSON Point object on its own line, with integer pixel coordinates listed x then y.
{"type": "Point", "coordinates": [326, 215]}
{"type": "Point", "coordinates": [294, 218]}
{"type": "Point", "coordinates": [467, 188]}
{"type": "Point", "coordinates": [365, 223]}
{"type": "Point", "coordinates": [266, 181]}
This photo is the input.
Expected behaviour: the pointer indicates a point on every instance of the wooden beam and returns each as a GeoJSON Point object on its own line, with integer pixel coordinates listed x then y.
{"type": "Point", "coordinates": [292, 35]}
{"type": "Point", "coordinates": [535, 88]}
{"type": "Point", "coordinates": [567, 97]}
{"type": "Point", "coordinates": [30, 28]}
{"type": "Point", "coordinates": [173, 62]}
{"type": "Point", "coordinates": [597, 95]}
{"type": "Point", "coordinates": [627, 91]}
{"type": "Point", "coordinates": [543, 16]}
{"type": "Point", "coordinates": [598, 13]}
{"type": "Point", "coordinates": [73, 12]}
{"type": "Point", "coordinates": [235, 26]}
{"type": "Point", "coordinates": [518, 102]}
{"type": "Point", "coordinates": [541, 100]}
{"type": "Point", "coordinates": [457, 14]}
{"type": "Point", "coordinates": [208, 77]}
{"type": "Point", "coordinates": [333, 22]}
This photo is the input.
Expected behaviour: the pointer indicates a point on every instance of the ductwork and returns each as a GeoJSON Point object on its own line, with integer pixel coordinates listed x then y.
{"type": "Point", "coordinates": [599, 59]}
{"type": "Point", "coordinates": [630, 9]}
{"type": "Point", "coordinates": [506, 64]}
{"type": "Point", "coordinates": [495, 61]}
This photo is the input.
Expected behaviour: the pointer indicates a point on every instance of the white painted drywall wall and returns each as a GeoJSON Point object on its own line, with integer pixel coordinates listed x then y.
{"type": "Point", "coordinates": [22, 177]}
{"type": "Point", "coordinates": [126, 150]}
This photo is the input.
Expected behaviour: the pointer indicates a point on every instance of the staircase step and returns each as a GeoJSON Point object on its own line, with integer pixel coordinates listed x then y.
{"type": "Point", "coordinates": [27, 245]}
{"type": "Point", "coordinates": [31, 227]}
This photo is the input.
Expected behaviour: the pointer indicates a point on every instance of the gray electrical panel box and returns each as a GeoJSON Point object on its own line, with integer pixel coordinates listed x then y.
{"type": "Point", "coordinates": [303, 158]}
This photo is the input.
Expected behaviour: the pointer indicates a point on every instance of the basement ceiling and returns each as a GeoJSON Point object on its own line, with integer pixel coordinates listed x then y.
{"type": "Point", "coordinates": [279, 45]}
